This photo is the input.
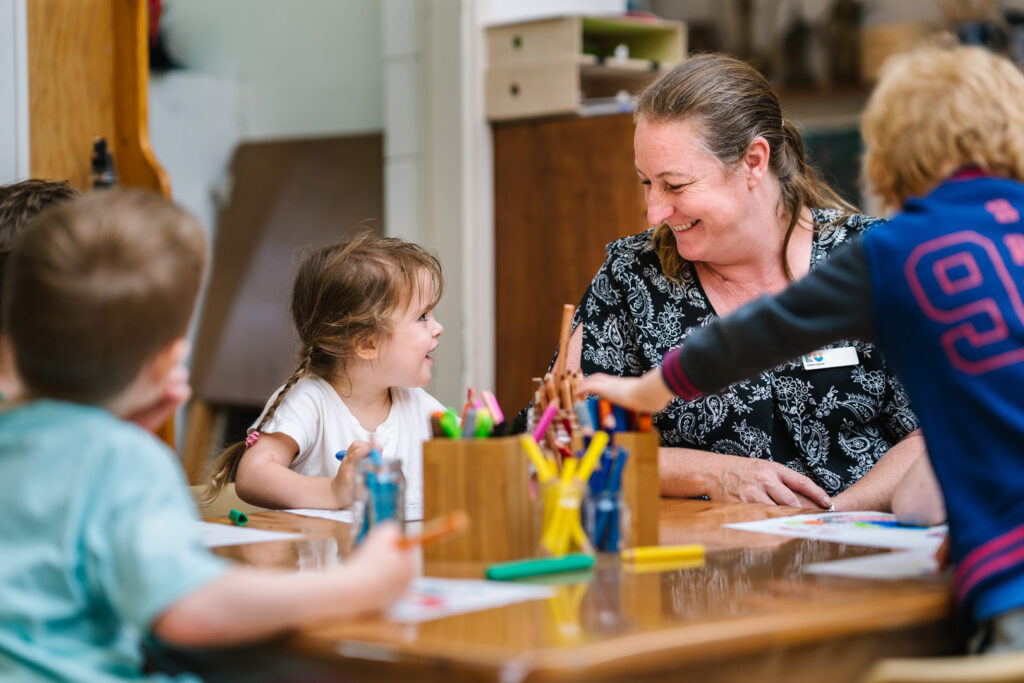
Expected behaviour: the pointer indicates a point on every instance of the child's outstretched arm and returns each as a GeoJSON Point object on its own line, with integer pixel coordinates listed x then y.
{"type": "Point", "coordinates": [264, 478]}
{"type": "Point", "coordinates": [647, 393]}
{"type": "Point", "coordinates": [832, 302]}
{"type": "Point", "coordinates": [247, 603]}
{"type": "Point", "coordinates": [918, 498]}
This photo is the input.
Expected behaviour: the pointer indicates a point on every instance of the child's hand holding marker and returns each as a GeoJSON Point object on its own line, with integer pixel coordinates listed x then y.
{"type": "Point", "coordinates": [344, 481]}
{"type": "Point", "coordinates": [382, 563]}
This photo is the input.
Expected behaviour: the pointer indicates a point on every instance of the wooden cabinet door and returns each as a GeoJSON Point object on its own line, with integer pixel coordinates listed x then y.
{"type": "Point", "coordinates": [564, 188]}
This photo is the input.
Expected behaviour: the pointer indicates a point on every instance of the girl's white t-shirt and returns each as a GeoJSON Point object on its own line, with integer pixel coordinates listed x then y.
{"type": "Point", "coordinates": [321, 424]}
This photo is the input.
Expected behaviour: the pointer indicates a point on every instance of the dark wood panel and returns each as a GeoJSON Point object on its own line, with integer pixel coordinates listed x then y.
{"type": "Point", "coordinates": [286, 195]}
{"type": "Point", "coordinates": [563, 189]}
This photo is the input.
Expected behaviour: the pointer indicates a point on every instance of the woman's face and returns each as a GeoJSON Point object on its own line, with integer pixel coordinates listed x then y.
{"type": "Point", "coordinates": [707, 206]}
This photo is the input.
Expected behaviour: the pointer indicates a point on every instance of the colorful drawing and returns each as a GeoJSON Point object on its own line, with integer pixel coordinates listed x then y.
{"type": "Point", "coordinates": [876, 529]}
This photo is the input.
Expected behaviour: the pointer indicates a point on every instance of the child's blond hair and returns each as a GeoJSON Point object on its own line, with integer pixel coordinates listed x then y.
{"type": "Point", "coordinates": [345, 293]}
{"type": "Point", "coordinates": [937, 108]}
{"type": "Point", "coordinates": [96, 288]}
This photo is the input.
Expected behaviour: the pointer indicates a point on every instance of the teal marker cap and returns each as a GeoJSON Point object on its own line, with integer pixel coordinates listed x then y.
{"type": "Point", "coordinates": [238, 517]}
{"type": "Point", "coordinates": [538, 566]}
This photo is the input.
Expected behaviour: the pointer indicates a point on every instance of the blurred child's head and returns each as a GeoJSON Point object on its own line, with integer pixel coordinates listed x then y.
{"type": "Point", "coordinates": [936, 109]}
{"type": "Point", "coordinates": [19, 203]}
{"type": "Point", "coordinates": [97, 289]}
{"type": "Point", "coordinates": [349, 295]}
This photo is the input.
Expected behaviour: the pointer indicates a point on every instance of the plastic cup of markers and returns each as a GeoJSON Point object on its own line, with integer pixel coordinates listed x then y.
{"type": "Point", "coordinates": [379, 495]}
{"type": "Point", "coordinates": [606, 521]}
{"type": "Point", "coordinates": [561, 529]}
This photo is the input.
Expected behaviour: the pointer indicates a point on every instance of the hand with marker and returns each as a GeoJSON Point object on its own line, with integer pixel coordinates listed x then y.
{"type": "Point", "coordinates": [343, 483]}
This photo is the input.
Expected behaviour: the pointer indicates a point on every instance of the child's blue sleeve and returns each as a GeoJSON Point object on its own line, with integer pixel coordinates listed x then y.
{"type": "Point", "coordinates": [144, 548]}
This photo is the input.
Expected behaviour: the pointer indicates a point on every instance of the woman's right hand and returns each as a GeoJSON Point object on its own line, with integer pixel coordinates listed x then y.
{"type": "Point", "coordinates": [381, 566]}
{"type": "Point", "coordinates": [344, 481]}
{"type": "Point", "coordinates": [752, 480]}
{"type": "Point", "coordinates": [736, 479]}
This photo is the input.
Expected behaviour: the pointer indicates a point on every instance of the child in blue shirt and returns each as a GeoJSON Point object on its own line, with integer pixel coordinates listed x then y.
{"type": "Point", "coordinates": [940, 289]}
{"type": "Point", "coordinates": [96, 524]}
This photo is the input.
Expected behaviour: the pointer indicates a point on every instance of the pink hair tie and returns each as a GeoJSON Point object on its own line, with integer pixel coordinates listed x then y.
{"type": "Point", "coordinates": [252, 438]}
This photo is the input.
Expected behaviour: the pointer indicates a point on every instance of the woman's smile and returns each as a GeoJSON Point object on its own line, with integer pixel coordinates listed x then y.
{"type": "Point", "coordinates": [685, 226]}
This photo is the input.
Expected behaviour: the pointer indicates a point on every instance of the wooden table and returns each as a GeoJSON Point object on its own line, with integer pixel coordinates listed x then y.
{"type": "Point", "coordinates": [749, 613]}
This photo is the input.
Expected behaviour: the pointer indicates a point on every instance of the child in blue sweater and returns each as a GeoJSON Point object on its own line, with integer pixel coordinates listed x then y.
{"type": "Point", "coordinates": [96, 523]}
{"type": "Point", "coordinates": [940, 290]}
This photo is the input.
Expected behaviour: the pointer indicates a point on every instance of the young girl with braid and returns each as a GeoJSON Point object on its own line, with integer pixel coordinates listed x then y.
{"type": "Point", "coordinates": [363, 309]}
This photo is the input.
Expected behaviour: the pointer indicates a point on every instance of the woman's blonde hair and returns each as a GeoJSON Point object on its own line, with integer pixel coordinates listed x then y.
{"type": "Point", "coordinates": [731, 105]}
{"type": "Point", "coordinates": [345, 293]}
{"type": "Point", "coordinates": [937, 108]}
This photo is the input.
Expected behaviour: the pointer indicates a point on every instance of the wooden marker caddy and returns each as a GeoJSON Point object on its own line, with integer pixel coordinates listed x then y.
{"type": "Point", "coordinates": [490, 480]}
{"type": "Point", "coordinates": [641, 486]}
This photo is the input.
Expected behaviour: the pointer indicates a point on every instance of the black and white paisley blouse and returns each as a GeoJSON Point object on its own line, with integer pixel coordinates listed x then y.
{"type": "Point", "coordinates": [829, 424]}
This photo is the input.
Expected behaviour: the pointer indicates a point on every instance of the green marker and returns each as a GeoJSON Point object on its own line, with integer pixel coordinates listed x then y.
{"type": "Point", "coordinates": [507, 571]}
{"type": "Point", "coordinates": [450, 424]}
{"type": "Point", "coordinates": [484, 424]}
{"type": "Point", "coordinates": [238, 517]}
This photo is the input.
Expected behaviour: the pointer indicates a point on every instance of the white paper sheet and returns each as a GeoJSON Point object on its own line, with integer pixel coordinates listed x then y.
{"type": "Point", "coordinates": [432, 598]}
{"type": "Point", "coordinates": [215, 535]}
{"type": "Point", "coordinates": [876, 529]}
{"type": "Point", "coordinates": [336, 515]}
{"type": "Point", "coordinates": [907, 564]}
{"type": "Point", "coordinates": [346, 514]}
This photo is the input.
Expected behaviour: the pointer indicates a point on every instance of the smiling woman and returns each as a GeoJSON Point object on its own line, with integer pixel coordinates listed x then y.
{"type": "Point", "coordinates": [737, 213]}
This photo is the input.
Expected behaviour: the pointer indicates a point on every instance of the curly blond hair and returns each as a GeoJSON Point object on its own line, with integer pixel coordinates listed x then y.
{"type": "Point", "coordinates": [938, 108]}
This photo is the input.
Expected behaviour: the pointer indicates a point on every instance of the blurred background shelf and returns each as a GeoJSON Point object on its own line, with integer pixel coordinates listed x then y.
{"type": "Point", "coordinates": [548, 67]}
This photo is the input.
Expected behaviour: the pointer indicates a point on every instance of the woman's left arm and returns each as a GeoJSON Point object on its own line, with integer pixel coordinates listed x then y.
{"type": "Point", "coordinates": [875, 489]}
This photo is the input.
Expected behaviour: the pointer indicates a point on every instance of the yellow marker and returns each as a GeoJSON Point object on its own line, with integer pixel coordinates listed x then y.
{"type": "Point", "coordinates": [544, 472]}
{"type": "Point", "coordinates": [568, 467]}
{"type": "Point", "coordinates": [597, 444]}
{"type": "Point", "coordinates": [658, 567]}
{"type": "Point", "coordinates": [663, 553]}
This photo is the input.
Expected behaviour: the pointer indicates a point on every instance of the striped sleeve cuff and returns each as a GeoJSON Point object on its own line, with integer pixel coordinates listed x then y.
{"type": "Point", "coordinates": [676, 379]}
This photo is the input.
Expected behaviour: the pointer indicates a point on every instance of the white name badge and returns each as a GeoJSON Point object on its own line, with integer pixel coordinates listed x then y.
{"type": "Point", "coordinates": [830, 358]}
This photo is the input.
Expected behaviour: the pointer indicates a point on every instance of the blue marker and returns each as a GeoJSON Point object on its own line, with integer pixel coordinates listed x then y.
{"type": "Point", "coordinates": [340, 454]}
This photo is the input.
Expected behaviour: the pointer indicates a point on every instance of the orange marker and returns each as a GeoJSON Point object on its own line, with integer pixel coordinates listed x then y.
{"type": "Point", "coordinates": [440, 527]}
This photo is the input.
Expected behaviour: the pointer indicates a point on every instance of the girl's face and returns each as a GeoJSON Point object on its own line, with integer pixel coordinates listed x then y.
{"type": "Point", "coordinates": [703, 203]}
{"type": "Point", "coordinates": [405, 356]}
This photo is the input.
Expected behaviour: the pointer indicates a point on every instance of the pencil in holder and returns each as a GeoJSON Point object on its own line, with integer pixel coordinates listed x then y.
{"type": "Point", "coordinates": [606, 520]}
{"type": "Point", "coordinates": [379, 495]}
{"type": "Point", "coordinates": [490, 480]}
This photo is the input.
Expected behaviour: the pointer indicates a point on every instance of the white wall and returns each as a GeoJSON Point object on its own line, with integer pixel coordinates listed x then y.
{"type": "Point", "coordinates": [14, 156]}
{"type": "Point", "coordinates": [304, 68]}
